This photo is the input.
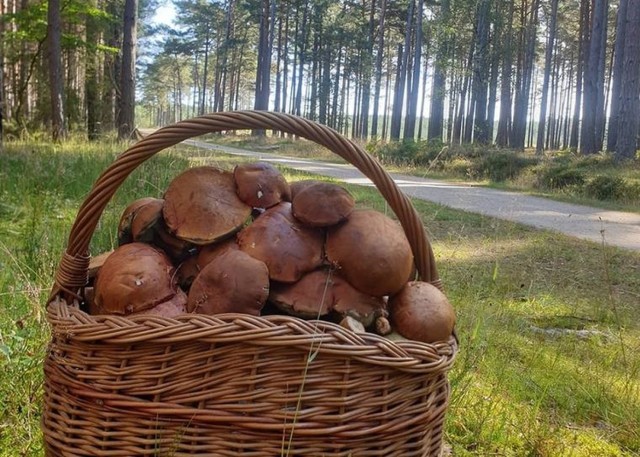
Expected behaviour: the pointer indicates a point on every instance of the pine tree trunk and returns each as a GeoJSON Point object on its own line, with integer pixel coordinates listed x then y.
{"type": "Point", "coordinates": [401, 78]}
{"type": "Point", "coordinates": [551, 38]}
{"type": "Point", "coordinates": [629, 114]}
{"type": "Point", "coordinates": [91, 80]}
{"type": "Point", "coordinates": [617, 75]}
{"type": "Point", "coordinates": [593, 91]}
{"type": "Point", "coordinates": [504, 123]}
{"type": "Point", "coordinates": [413, 88]}
{"type": "Point", "coordinates": [126, 112]}
{"type": "Point", "coordinates": [54, 33]}
{"type": "Point", "coordinates": [436, 115]}
{"type": "Point", "coordinates": [378, 75]}
{"type": "Point", "coordinates": [583, 52]}
{"type": "Point", "coordinates": [481, 74]}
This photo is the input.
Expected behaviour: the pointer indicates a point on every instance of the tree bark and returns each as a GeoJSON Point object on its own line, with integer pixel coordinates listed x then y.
{"type": "Point", "coordinates": [504, 123]}
{"type": "Point", "coordinates": [54, 33]}
{"type": "Point", "coordinates": [593, 91]}
{"type": "Point", "coordinates": [126, 113]}
{"type": "Point", "coordinates": [481, 74]}
{"type": "Point", "coordinates": [583, 51]}
{"type": "Point", "coordinates": [401, 78]}
{"type": "Point", "coordinates": [438, 91]}
{"type": "Point", "coordinates": [551, 38]}
{"type": "Point", "coordinates": [618, 66]}
{"type": "Point", "coordinates": [378, 75]}
{"type": "Point", "coordinates": [414, 86]}
{"type": "Point", "coordinates": [629, 114]}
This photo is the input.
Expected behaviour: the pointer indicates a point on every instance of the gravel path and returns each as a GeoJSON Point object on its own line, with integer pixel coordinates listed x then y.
{"type": "Point", "coordinates": [618, 228]}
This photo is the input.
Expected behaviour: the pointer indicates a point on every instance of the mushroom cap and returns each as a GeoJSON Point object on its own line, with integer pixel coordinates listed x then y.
{"type": "Point", "coordinates": [210, 252]}
{"type": "Point", "coordinates": [348, 301]}
{"type": "Point", "coordinates": [145, 219]}
{"type": "Point", "coordinates": [372, 252]}
{"type": "Point", "coordinates": [234, 282]}
{"type": "Point", "coordinates": [260, 184]}
{"type": "Point", "coordinates": [322, 204]}
{"type": "Point", "coordinates": [297, 186]}
{"type": "Point", "coordinates": [320, 293]}
{"type": "Point", "coordinates": [309, 298]}
{"type": "Point", "coordinates": [172, 308]}
{"type": "Point", "coordinates": [421, 312]}
{"type": "Point", "coordinates": [135, 277]}
{"type": "Point", "coordinates": [124, 226]}
{"type": "Point", "coordinates": [201, 205]}
{"type": "Point", "coordinates": [288, 248]}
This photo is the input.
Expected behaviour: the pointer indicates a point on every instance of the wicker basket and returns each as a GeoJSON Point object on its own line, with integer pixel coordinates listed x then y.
{"type": "Point", "coordinates": [233, 384]}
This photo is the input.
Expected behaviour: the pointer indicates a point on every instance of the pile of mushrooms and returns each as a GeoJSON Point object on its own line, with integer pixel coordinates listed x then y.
{"type": "Point", "coordinates": [248, 242]}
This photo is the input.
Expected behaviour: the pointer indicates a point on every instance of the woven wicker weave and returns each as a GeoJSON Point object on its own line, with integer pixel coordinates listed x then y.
{"type": "Point", "coordinates": [234, 384]}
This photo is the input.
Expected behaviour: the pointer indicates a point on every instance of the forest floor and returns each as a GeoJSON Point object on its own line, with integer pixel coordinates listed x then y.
{"type": "Point", "coordinates": [616, 228]}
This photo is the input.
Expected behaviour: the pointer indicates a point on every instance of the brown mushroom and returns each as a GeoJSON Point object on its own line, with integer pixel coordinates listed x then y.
{"type": "Point", "coordinates": [288, 248]}
{"type": "Point", "coordinates": [172, 308]}
{"type": "Point", "coordinates": [210, 252]}
{"type": "Point", "coordinates": [201, 206]}
{"type": "Point", "coordinates": [297, 186]}
{"type": "Point", "coordinates": [309, 298]}
{"type": "Point", "coordinates": [348, 301]}
{"type": "Point", "coordinates": [146, 219]}
{"type": "Point", "coordinates": [321, 293]}
{"type": "Point", "coordinates": [372, 253]}
{"type": "Point", "coordinates": [234, 282]}
{"type": "Point", "coordinates": [322, 204]}
{"type": "Point", "coordinates": [421, 312]}
{"type": "Point", "coordinates": [126, 219]}
{"type": "Point", "coordinates": [135, 277]}
{"type": "Point", "coordinates": [260, 184]}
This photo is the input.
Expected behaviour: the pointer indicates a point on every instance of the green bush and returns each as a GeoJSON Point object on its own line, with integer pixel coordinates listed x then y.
{"type": "Point", "coordinates": [560, 177]}
{"type": "Point", "coordinates": [500, 166]}
{"type": "Point", "coordinates": [606, 188]}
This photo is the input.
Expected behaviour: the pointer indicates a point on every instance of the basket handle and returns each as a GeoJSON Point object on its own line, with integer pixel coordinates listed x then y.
{"type": "Point", "coordinates": [71, 274]}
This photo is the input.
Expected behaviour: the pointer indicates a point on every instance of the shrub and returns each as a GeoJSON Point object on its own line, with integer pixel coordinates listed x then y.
{"type": "Point", "coordinates": [606, 188]}
{"type": "Point", "coordinates": [501, 166]}
{"type": "Point", "coordinates": [560, 178]}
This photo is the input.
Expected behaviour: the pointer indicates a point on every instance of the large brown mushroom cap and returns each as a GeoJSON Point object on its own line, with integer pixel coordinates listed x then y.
{"type": "Point", "coordinates": [234, 282]}
{"type": "Point", "coordinates": [135, 277]}
{"type": "Point", "coordinates": [322, 204]}
{"type": "Point", "coordinates": [260, 184]}
{"type": "Point", "coordinates": [421, 312]}
{"type": "Point", "coordinates": [372, 252]}
{"type": "Point", "coordinates": [288, 248]}
{"type": "Point", "coordinates": [297, 186]}
{"type": "Point", "coordinates": [201, 206]}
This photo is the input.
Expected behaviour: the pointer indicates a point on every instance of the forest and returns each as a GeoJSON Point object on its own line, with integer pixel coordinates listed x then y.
{"type": "Point", "coordinates": [521, 74]}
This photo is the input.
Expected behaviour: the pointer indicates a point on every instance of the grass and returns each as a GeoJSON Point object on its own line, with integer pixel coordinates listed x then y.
{"type": "Point", "coordinates": [516, 390]}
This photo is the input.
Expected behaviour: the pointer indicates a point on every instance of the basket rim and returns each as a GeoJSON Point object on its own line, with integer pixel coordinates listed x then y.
{"type": "Point", "coordinates": [317, 337]}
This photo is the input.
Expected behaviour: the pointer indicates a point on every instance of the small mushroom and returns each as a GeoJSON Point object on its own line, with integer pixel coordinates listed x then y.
{"type": "Point", "coordinates": [323, 293]}
{"type": "Point", "coordinates": [288, 248]}
{"type": "Point", "coordinates": [201, 206]}
{"type": "Point", "coordinates": [126, 219]}
{"type": "Point", "coordinates": [421, 312]}
{"type": "Point", "coordinates": [146, 219]}
{"type": "Point", "coordinates": [260, 184]}
{"type": "Point", "coordinates": [371, 252]}
{"type": "Point", "coordinates": [135, 277]}
{"type": "Point", "coordinates": [322, 204]}
{"type": "Point", "coordinates": [234, 282]}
